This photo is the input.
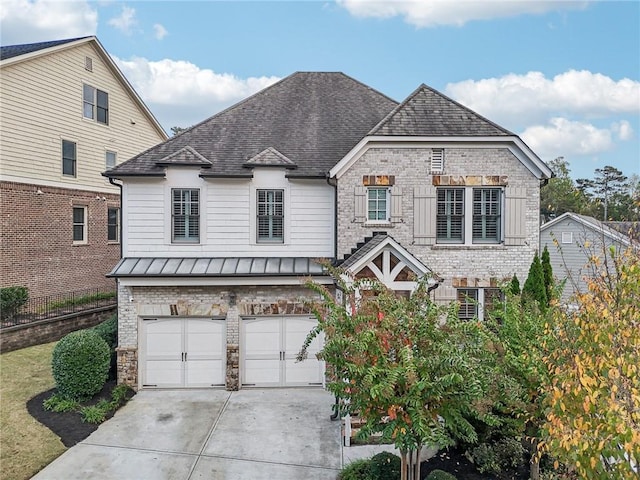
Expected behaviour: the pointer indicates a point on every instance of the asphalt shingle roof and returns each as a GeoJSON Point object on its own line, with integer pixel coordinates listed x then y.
{"type": "Point", "coordinates": [10, 51]}
{"type": "Point", "coordinates": [427, 112]}
{"type": "Point", "coordinates": [312, 119]}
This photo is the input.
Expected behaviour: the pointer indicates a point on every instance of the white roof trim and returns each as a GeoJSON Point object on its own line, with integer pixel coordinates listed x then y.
{"type": "Point", "coordinates": [220, 281]}
{"type": "Point", "coordinates": [526, 156]}
{"type": "Point", "coordinates": [404, 255]}
{"type": "Point", "coordinates": [617, 236]}
{"type": "Point", "coordinates": [108, 60]}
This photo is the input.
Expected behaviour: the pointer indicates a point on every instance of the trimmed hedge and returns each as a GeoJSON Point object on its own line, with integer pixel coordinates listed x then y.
{"type": "Point", "coordinates": [108, 330]}
{"type": "Point", "coordinates": [80, 364]}
{"type": "Point", "coordinates": [386, 466]}
{"type": "Point", "coordinates": [11, 299]}
{"type": "Point", "coordinates": [440, 475]}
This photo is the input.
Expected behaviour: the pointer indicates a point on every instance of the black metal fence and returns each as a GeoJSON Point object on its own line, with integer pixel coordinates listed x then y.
{"type": "Point", "coordinates": [51, 306]}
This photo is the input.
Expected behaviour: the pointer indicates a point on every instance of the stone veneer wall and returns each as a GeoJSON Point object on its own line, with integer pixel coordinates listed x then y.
{"type": "Point", "coordinates": [232, 303]}
{"type": "Point", "coordinates": [478, 265]}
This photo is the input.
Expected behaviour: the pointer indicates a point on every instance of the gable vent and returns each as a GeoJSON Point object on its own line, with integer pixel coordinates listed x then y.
{"type": "Point", "coordinates": [88, 64]}
{"type": "Point", "coordinates": [437, 160]}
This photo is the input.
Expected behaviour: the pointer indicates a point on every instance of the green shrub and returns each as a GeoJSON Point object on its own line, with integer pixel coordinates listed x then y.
{"type": "Point", "coordinates": [440, 475]}
{"type": "Point", "coordinates": [510, 452]}
{"type": "Point", "coordinates": [11, 299]}
{"type": "Point", "coordinates": [386, 466]}
{"type": "Point", "coordinates": [357, 470]}
{"type": "Point", "coordinates": [57, 403]}
{"type": "Point", "coordinates": [485, 459]}
{"type": "Point", "coordinates": [96, 413]}
{"type": "Point", "coordinates": [108, 330]}
{"type": "Point", "coordinates": [80, 364]}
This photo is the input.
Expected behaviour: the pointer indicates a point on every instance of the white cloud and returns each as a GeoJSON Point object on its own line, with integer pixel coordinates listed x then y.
{"type": "Point", "coordinates": [623, 130]}
{"type": "Point", "coordinates": [429, 13]}
{"type": "Point", "coordinates": [565, 137]}
{"type": "Point", "coordinates": [126, 21]}
{"type": "Point", "coordinates": [529, 98]}
{"type": "Point", "coordinates": [159, 31]}
{"type": "Point", "coordinates": [28, 21]}
{"type": "Point", "coordinates": [181, 93]}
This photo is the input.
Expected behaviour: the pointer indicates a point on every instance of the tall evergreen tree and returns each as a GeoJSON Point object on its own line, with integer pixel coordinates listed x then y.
{"type": "Point", "coordinates": [514, 285]}
{"type": "Point", "coordinates": [548, 273]}
{"type": "Point", "coordinates": [534, 287]}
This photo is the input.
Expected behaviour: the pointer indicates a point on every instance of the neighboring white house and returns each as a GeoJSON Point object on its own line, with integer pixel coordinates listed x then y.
{"type": "Point", "coordinates": [571, 240]}
{"type": "Point", "coordinates": [224, 222]}
{"type": "Point", "coordinates": [67, 113]}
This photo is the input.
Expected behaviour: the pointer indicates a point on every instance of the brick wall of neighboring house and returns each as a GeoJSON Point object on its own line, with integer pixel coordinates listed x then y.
{"type": "Point", "coordinates": [37, 249]}
{"type": "Point", "coordinates": [250, 301]}
{"type": "Point", "coordinates": [411, 168]}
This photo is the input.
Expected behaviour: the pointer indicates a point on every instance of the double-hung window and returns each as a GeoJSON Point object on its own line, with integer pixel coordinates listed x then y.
{"type": "Point", "coordinates": [478, 302]}
{"type": "Point", "coordinates": [79, 225]}
{"type": "Point", "coordinates": [109, 159]}
{"type": "Point", "coordinates": [270, 213]}
{"type": "Point", "coordinates": [486, 215]}
{"type": "Point", "coordinates": [69, 158]}
{"type": "Point", "coordinates": [95, 104]}
{"type": "Point", "coordinates": [113, 224]}
{"type": "Point", "coordinates": [450, 215]}
{"type": "Point", "coordinates": [185, 215]}
{"type": "Point", "coordinates": [377, 204]}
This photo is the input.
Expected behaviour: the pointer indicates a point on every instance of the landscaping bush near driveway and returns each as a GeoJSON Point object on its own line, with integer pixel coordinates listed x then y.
{"type": "Point", "coordinates": [26, 445]}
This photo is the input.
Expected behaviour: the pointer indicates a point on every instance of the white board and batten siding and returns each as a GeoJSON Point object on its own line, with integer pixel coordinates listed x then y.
{"type": "Point", "coordinates": [45, 94]}
{"type": "Point", "coordinates": [228, 216]}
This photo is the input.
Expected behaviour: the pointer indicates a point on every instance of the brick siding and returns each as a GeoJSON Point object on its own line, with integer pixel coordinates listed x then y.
{"type": "Point", "coordinates": [37, 249]}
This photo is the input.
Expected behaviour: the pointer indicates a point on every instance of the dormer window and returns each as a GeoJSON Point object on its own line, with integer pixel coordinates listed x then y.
{"type": "Point", "coordinates": [95, 104]}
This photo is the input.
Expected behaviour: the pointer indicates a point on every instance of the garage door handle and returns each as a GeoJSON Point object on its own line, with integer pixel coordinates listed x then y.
{"type": "Point", "coordinates": [185, 356]}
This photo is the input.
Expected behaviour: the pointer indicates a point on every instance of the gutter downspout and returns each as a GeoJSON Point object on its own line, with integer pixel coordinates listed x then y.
{"type": "Point", "coordinates": [119, 185]}
{"type": "Point", "coordinates": [334, 184]}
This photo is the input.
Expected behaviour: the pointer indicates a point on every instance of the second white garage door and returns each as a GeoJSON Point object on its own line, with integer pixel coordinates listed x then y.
{"type": "Point", "coordinates": [270, 346]}
{"type": "Point", "coordinates": [183, 352]}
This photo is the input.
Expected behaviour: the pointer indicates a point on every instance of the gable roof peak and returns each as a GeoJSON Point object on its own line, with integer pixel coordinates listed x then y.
{"type": "Point", "coordinates": [187, 155]}
{"type": "Point", "coordinates": [428, 112]}
{"type": "Point", "coordinates": [270, 157]}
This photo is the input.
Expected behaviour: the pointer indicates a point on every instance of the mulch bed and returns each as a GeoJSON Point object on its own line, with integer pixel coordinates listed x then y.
{"type": "Point", "coordinates": [68, 425]}
{"type": "Point", "coordinates": [455, 462]}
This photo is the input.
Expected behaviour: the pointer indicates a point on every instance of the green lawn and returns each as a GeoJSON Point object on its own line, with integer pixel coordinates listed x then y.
{"type": "Point", "coordinates": [26, 446]}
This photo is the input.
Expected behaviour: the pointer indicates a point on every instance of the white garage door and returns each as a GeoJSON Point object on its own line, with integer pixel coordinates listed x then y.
{"type": "Point", "coordinates": [183, 352]}
{"type": "Point", "coordinates": [270, 346]}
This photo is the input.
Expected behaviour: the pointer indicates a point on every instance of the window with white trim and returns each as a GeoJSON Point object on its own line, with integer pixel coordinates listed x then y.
{"type": "Point", "coordinates": [113, 224]}
{"type": "Point", "coordinates": [270, 216]}
{"type": "Point", "coordinates": [95, 104]}
{"type": "Point", "coordinates": [477, 302]}
{"type": "Point", "coordinates": [185, 215]}
{"type": "Point", "coordinates": [69, 158]}
{"type": "Point", "coordinates": [567, 237]}
{"type": "Point", "coordinates": [454, 224]}
{"type": "Point", "coordinates": [109, 159]}
{"type": "Point", "coordinates": [378, 204]}
{"type": "Point", "coordinates": [79, 224]}
{"type": "Point", "coordinates": [450, 215]}
{"type": "Point", "coordinates": [487, 215]}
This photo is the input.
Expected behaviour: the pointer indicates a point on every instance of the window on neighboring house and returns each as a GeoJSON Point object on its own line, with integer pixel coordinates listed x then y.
{"type": "Point", "coordinates": [68, 158]}
{"type": "Point", "coordinates": [79, 225]}
{"type": "Point", "coordinates": [450, 215]}
{"type": "Point", "coordinates": [113, 224]}
{"type": "Point", "coordinates": [185, 213]}
{"type": "Point", "coordinates": [270, 211]}
{"type": "Point", "coordinates": [478, 302]}
{"type": "Point", "coordinates": [378, 204]}
{"type": "Point", "coordinates": [110, 159]}
{"type": "Point", "coordinates": [95, 104]}
{"type": "Point", "coordinates": [567, 237]}
{"type": "Point", "coordinates": [486, 215]}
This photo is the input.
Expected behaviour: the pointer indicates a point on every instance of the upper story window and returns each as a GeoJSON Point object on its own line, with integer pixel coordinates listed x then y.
{"type": "Point", "coordinates": [109, 159]}
{"type": "Point", "coordinates": [185, 215]}
{"type": "Point", "coordinates": [484, 225]}
{"type": "Point", "coordinates": [487, 215]}
{"type": "Point", "coordinates": [377, 204]}
{"type": "Point", "coordinates": [79, 225]}
{"type": "Point", "coordinates": [95, 104]}
{"type": "Point", "coordinates": [450, 215]}
{"type": "Point", "coordinates": [113, 224]}
{"type": "Point", "coordinates": [270, 209]}
{"type": "Point", "coordinates": [68, 158]}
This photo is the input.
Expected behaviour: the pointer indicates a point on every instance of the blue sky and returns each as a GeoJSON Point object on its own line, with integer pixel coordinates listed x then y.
{"type": "Point", "coordinates": [564, 75]}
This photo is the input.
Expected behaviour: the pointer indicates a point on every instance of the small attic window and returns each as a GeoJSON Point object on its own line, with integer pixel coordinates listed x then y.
{"type": "Point", "coordinates": [88, 64]}
{"type": "Point", "coordinates": [567, 237]}
{"type": "Point", "coordinates": [437, 160]}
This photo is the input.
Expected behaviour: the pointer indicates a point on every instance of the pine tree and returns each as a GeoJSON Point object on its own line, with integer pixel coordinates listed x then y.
{"type": "Point", "coordinates": [514, 285]}
{"type": "Point", "coordinates": [534, 287]}
{"type": "Point", "coordinates": [548, 273]}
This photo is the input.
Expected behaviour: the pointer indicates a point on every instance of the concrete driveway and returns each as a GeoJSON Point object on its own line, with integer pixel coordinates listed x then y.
{"type": "Point", "coordinates": [210, 434]}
